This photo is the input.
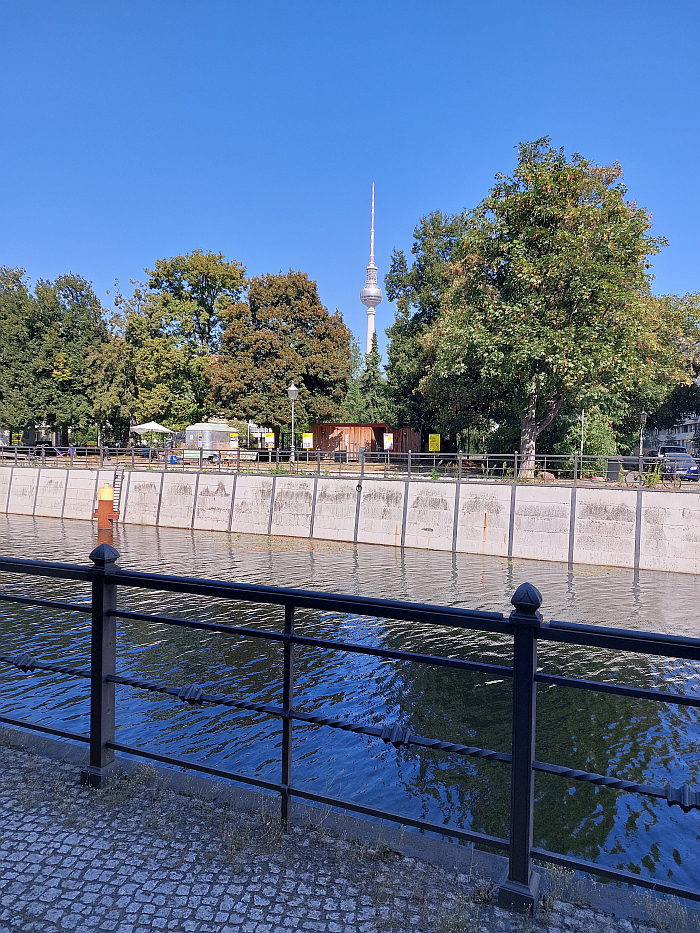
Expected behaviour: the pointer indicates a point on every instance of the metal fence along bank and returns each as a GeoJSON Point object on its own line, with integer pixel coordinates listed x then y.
{"type": "Point", "coordinates": [525, 628]}
{"type": "Point", "coordinates": [458, 467]}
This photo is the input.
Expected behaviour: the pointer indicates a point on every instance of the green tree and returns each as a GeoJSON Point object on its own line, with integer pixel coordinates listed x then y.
{"type": "Point", "coordinates": [73, 328]}
{"type": "Point", "coordinates": [194, 288]}
{"type": "Point", "coordinates": [418, 291]}
{"type": "Point", "coordinates": [282, 334]}
{"type": "Point", "coordinates": [353, 406]}
{"type": "Point", "coordinates": [550, 299]}
{"type": "Point", "coordinates": [20, 339]}
{"type": "Point", "coordinates": [46, 340]}
{"type": "Point", "coordinates": [373, 388]}
{"type": "Point", "coordinates": [172, 327]}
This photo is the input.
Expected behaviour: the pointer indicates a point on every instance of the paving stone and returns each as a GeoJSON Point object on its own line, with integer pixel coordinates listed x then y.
{"type": "Point", "coordinates": [139, 858]}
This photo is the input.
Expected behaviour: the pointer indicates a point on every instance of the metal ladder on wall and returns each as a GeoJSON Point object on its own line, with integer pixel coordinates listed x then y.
{"type": "Point", "coordinates": [118, 484]}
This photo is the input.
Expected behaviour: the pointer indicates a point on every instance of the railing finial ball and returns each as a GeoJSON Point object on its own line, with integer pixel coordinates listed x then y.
{"type": "Point", "coordinates": [527, 598]}
{"type": "Point", "coordinates": [104, 554]}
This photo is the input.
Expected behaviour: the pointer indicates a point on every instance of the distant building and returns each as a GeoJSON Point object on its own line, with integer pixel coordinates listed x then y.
{"type": "Point", "coordinates": [356, 437]}
{"type": "Point", "coordinates": [682, 434]}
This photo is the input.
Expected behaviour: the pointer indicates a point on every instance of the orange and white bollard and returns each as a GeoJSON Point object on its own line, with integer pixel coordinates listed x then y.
{"type": "Point", "coordinates": [104, 513]}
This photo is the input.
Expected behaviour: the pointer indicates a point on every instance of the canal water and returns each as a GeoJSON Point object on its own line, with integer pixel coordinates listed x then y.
{"type": "Point", "coordinates": [652, 743]}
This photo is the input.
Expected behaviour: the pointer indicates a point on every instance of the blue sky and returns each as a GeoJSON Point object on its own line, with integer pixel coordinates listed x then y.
{"type": "Point", "coordinates": [131, 131]}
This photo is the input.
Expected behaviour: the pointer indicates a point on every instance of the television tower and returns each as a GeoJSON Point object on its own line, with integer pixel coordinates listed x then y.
{"type": "Point", "coordinates": [371, 294]}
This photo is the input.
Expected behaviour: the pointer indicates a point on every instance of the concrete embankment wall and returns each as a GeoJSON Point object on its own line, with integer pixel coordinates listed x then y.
{"type": "Point", "coordinates": [641, 528]}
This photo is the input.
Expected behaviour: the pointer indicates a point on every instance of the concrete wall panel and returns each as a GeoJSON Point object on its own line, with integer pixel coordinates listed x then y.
{"type": "Point", "coordinates": [336, 500]}
{"type": "Point", "coordinates": [49, 500]}
{"type": "Point", "coordinates": [670, 532]}
{"type": "Point", "coordinates": [381, 512]}
{"type": "Point", "coordinates": [177, 500]}
{"type": "Point", "coordinates": [80, 494]}
{"type": "Point", "coordinates": [251, 510]}
{"type": "Point", "coordinates": [541, 523]}
{"type": "Point", "coordinates": [604, 530]}
{"type": "Point", "coordinates": [430, 515]}
{"type": "Point", "coordinates": [484, 515]}
{"type": "Point", "coordinates": [23, 491]}
{"type": "Point", "coordinates": [5, 481]}
{"type": "Point", "coordinates": [291, 514]}
{"type": "Point", "coordinates": [142, 504]}
{"type": "Point", "coordinates": [213, 502]}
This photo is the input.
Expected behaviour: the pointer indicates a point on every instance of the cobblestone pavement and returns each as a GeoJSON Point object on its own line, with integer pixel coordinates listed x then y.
{"type": "Point", "coordinates": [138, 858]}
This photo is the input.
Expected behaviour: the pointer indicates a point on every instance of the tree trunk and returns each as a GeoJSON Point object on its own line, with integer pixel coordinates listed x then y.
{"type": "Point", "coordinates": [530, 430]}
{"type": "Point", "coordinates": [528, 435]}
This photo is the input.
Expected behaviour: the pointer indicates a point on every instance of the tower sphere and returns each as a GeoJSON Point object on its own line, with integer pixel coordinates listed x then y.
{"type": "Point", "coordinates": [370, 293]}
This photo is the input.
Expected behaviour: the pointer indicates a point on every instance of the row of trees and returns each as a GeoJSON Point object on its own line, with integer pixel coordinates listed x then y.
{"type": "Point", "coordinates": [510, 319]}
{"type": "Point", "coordinates": [196, 339]}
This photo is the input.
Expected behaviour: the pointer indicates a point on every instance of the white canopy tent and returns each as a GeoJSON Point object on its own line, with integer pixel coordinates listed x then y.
{"type": "Point", "coordinates": [151, 427]}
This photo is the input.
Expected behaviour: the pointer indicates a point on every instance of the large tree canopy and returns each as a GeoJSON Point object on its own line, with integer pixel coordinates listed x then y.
{"type": "Point", "coordinates": [550, 301]}
{"type": "Point", "coordinates": [193, 288]}
{"type": "Point", "coordinates": [46, 340]}
{"type": "Point", "coordinates": [282, 334]}
{"type": "Point", "coordinates": [172, 330]}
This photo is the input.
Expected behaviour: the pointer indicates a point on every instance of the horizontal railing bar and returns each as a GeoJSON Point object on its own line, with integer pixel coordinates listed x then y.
{"type": "Point", "coordinates": [308, 599]}
{"type": "Point", "coordinates": [217, 699]}
{"type": "Point", "coordinates": [618, 643]}
{"type": "Point", "coordinates": [192, 766]}
{"type": "Point", "coordinates": [45, 568]}
{"type": "Point", "coordinates": [625, 632]}
{"type": "Point", "coordinates": [613, 874]}
{"type": "Point", "coordinates": [674, 646]}
{"type": "Point", "coordinates": [468, 836]}
{"type": "Point", "coordinates": [621, 689]}
{"type": "Point", "coordinates": [49, 603]}
{"type": "Point", "coordinates": [46, 666]}
{"type": "Point", "coordinates": [600, 780]}
{"type": "Point", "coordinates": [214, 698]}
{"type": "Point", "coordinates": [35, 727]}
{"type": "Point", "coordinates": [437, 660]}
{"type": "Point", "coordinates": [219, 627]}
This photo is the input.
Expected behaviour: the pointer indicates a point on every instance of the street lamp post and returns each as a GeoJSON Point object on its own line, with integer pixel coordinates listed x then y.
{"type": "Point", "coordinates": [292, 392]}
{"type": "Point", "coordinates": [642, 425]}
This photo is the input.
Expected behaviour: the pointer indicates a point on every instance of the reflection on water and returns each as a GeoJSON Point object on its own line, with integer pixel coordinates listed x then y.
{"type": "Point", "coordinates": [633, 739]}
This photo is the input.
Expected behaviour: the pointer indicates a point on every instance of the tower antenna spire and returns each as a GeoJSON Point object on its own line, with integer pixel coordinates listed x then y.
{"type": "Point", "coordinates": [371, 294]}
{"type": "Point", "coordinates": [371, 238]}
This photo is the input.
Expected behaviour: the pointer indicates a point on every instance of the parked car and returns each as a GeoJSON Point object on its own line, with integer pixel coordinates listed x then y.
{"type": "Point", "coordinates": [665, 449]}
{"type": "Point", "coordinates": [680, 465]}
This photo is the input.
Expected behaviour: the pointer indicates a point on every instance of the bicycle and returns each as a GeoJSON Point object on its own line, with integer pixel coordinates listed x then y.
{"type": "Point", "coordinates": [670, 479]}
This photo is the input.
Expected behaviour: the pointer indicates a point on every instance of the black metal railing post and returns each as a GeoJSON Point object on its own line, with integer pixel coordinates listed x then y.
{"type": "Point", "coordinates": [103, 648]}
{"type": "Point", "coordinates": [520, 889]}
{"type": "Point", "coordinates": [287, 724]}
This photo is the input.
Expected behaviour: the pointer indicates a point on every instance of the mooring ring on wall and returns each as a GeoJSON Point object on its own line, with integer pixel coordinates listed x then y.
{"type": "Point", "coordinates": [359, 487]}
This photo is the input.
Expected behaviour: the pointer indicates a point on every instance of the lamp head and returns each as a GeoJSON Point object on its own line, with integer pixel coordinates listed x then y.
{"type": "Point", "coordinates": [292, 392]}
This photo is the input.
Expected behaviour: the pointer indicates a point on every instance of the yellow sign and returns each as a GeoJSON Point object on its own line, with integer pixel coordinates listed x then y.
{"type": "Point", "coordinates": [434, 443]}
{"type": "Point", "coordinates": [270, 439]}
{"type": "Point", "coordinates": [388, 442]}
{"type": "Point", "coordinates": [233, 440]}
{"type": "Point", "coordinates": [16, 439]}
{"type": "Point", "coordinates": [307, 441]}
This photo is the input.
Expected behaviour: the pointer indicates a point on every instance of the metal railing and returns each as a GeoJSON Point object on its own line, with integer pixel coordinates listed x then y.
{"type": "Point", "coordinates": [457, 467]}
{"type": "Point", "coordinates": [524, 625]}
